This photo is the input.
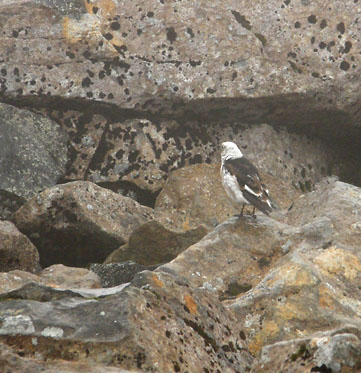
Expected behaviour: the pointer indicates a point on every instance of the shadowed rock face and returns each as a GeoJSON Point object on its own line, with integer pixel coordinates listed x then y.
{"type": "Point", "coordinates": [69, 220]}
{"type": "Point", "coordinates": [33, 156]}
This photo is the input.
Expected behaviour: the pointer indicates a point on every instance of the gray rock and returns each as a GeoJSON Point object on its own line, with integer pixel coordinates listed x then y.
{"type": "Point", "coordinates": [16, 250]}
{"type": "Point", "coordinates": [331, 351]}
{"type": "Point", "coordinates": [33, 154]}
{"type": "Point", "coordinates": [114, 274]}
{"type": "Point", "coordinates": [79, 222]}
{"type": "Point", "coordinates": [157, 316]}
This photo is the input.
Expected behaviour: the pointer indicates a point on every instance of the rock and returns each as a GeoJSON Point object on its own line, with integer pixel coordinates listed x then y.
{"type": "Point", "coordinates": [142, 153]}
{"type": "Point", "coordinates": [12, 362]}
{"type": "Point", "coordinates": [33, 153]}
{"type": "Point", "coordinates": [195, 195]}
{"type": "Point", "coordinates": [55, 276]}
{"type": "Point", "coordinates": [15, 279]}
{"type": "Point", "coordinates": [238, 252]}
{"type": "Point", "coordinates": [114, 274]}
{"type": "Point", "coordinates": [79, 222]}
{"type": "Point", "coordinates": [16, 250]}
{"type": "Point", "coordinates": [288, 279]}
{"type": "Point", "coordinates": [157, 315]}
{"type": "Point", "coordinates": [152, 243]}
{"type": "Point", "coordinates": [336, 351]}
{"type": "Point", "coordinates": [68, 277]}
{"type": "Point", "coordinates": [165, 58]}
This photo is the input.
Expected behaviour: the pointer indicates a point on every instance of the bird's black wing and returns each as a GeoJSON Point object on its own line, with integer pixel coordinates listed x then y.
{"type": "Point", "coordinates": [249, 182]}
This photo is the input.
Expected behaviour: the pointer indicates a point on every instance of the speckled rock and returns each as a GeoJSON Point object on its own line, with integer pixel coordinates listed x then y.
{"type": "Point", "coordinates": [152, 243]}
{"type": "Point", "coordinates": [143, 152]}
{"type": "Point", "coordinates": [155, 56]}
{"type": "Point", "coordinates": [290, 278]}
{"type": "Point", "coordinates": [165, 72]}
{"type": "Point", "coordinates": [15, 279]}
{"type": "Point", "coordinates": [134, 328]}
{"type": "Point", "coordinates": [16, 250]}
{"type": "Point", "coordinates": [333, 351]}
{"type": "Point", "coordinates": [114, 274]}
{"type": "Point", "coordinates": [33, 155]}
{"type": "Point", "coordinates": [79, 222]}
{"type": "Point", "coordinates": [13, 362]}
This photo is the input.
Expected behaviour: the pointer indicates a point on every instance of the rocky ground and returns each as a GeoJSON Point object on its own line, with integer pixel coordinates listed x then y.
{"type": "Point", "coordinates": [119, 250]}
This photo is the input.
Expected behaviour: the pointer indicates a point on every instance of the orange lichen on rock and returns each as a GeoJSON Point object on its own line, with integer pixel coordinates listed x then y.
{"type": "Point", "coordinates": [191, 304]}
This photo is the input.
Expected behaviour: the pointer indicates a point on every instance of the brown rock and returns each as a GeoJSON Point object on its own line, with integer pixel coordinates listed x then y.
{"type": "Point", "coordinates": [68, 277]}
{"type": "Point", "coordinates": [16, 250]}
{"type": "Point", "coordinates": [13, 362]}
{"type": "Point", "coordinates": [55, 276]}
{"type": "Point", "coordinates": [16, 279]}
{"type": "Point", "coordinates": [79, 222]}
{"type": "Point", "coordinates": [195, 195]}
{"type": "Point", "coordinates": [152, 243]}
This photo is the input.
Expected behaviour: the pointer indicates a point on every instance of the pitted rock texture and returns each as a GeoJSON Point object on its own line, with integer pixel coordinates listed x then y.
{"type": "Point", "coordinates": [33, 156]}
{"type": "Point", "coordinates": [79, 222]}
{"type": "Point", "coordinates": [158, 56]}
{"type": "Point", "coordinates": [13, 362]}
{"type": "Point", "coordinates": [114, 274]}
{"type": "Point", "coordinates": [293, 277]}
{"type": "Point", "coordinates": [143, 152]}
{"type": "Point", "coordinates": [16, 250]}
{"type": "Point", "coordinates": [134, 328]}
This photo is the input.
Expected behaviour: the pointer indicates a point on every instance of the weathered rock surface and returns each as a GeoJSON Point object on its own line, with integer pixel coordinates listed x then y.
{"type": "Point", "coordinates": [291, 278]}
{"type": "Point", "coordinates": [142, 152]}
{"type": "Point", "coordinates": [114, 274]}
{"type": "Point", "coordinates": [12, 362]}
{"type": "Point", "coordinates": [334, 351]}
{"type": "Point", "coordinates": [152, 243]}
{"type": "Point", "coordinates": [200, 68]}
{"type": "Point", "coordinates": [79, 222]}
{"type": "Point", "coordinates": [68, 277]}
{"type": "Point", "coordinates": [16, 250]}
{"type": "Point", "coordinates": [154, 56]}
{"type": "Point", "coordinates": [56, 276]}
{"type": "Point", "coordinates": [33, 155]}
{"type": "Point", "coordinates": [157, 316]}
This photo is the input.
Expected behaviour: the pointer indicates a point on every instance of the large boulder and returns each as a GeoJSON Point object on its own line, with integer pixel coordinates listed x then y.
{"type": "Point", "coordinates": [158, 323]}
{"type": "Point", "coordinates": [16, 250]}
{"type": "Point", "coordinates": [208, 58]}
{"type": "Point", "coordinates": [33, 153]}
{"type": "Point", "coordinates": [79, 222]}
{"type": "Point", "coordinates": [152, 243]}
{"type": "Point", "coordinates": [162, 79]}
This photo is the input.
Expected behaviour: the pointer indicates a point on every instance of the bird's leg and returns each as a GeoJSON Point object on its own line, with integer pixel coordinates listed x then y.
{"type": "Point", "coordinates": [241, 214]}
{"type": "Point", "coordinates": [254, 209]}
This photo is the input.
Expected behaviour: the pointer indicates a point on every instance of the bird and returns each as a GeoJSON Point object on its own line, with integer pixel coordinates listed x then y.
{"type": "Point", "coordinates": [241, 180]}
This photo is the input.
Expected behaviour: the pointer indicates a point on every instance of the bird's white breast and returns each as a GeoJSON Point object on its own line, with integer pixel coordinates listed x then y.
{"type": "Point", "coordinates": [231, 187]}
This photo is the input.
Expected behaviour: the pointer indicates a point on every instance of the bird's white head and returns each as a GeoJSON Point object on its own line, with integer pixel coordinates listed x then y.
{"type": "Point", "coordinates": [230, 151]}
